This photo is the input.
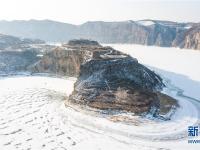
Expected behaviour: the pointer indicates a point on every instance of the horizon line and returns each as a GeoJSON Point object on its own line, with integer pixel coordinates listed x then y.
{"type": "Point", "coordinates": [58, 21]}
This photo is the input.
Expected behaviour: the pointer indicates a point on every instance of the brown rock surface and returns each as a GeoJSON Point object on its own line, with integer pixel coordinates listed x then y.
{"type": "Point", "coordinates": [107, 78]}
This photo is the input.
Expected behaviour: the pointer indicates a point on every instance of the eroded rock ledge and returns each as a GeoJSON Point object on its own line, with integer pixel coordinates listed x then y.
{"type": "Point", "coordinates": [107, 79]}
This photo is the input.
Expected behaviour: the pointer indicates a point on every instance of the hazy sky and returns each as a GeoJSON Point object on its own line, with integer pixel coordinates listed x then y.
{"type": "Point", "coordinates": [79, 11]}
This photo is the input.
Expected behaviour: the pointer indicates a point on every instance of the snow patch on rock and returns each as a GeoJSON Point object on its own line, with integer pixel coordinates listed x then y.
{"type": "Point", "coordinates": [146, 22]}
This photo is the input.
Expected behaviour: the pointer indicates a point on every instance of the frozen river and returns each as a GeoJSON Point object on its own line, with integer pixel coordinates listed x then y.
{"type": "Point", "coordinates": [33, 115]}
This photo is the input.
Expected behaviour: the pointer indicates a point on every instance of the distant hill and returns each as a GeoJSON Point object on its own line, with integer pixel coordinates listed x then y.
{"type": "Point", "coordinates": [145, 32]}
{"type": "Point", "coordinates": [8, 42]}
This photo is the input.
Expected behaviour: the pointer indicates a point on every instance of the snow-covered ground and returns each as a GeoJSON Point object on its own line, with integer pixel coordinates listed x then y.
{"type": "Point", "coordinates": [33, 115]}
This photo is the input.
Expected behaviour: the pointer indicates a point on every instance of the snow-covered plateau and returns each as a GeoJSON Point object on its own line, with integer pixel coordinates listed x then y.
{"type": "Point", "coordinates": [33, 115]}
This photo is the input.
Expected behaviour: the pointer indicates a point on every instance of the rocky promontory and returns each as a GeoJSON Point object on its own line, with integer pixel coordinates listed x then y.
{"type": "Point", "coordinates": [106, 78]}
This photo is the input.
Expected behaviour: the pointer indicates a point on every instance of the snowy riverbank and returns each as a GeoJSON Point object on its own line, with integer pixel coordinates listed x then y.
{"type": "Point", "coordinates": [33, 116]}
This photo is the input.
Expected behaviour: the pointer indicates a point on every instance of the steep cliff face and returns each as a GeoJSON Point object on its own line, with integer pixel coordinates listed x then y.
{"type": "Point", "coordinates": [129, 32]}
{"type": "Point", "coordinates": [60, 61]}
{"type": "Point", "coordinates": [67, 59]}
{"type": "Point", "coordinates": [145, 32]}
{"type": "Point", "coordinates": [161, 35]}
{"type": "Point", "coordinates": [192, 39]}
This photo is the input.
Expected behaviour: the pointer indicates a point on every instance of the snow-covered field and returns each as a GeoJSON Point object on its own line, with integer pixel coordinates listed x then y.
{"type": "Point", "coordinates": [33, 115]}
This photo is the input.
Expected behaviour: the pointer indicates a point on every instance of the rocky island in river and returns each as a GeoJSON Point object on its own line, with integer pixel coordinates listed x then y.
{"type": "Point", "coordinates": [106, 78]}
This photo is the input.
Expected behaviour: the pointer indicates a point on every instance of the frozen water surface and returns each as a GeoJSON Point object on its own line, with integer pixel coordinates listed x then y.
{"type": "Point", "coordinates": [33, 115]}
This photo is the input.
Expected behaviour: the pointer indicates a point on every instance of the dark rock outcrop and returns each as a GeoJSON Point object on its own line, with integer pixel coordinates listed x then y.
{"type": "Point", "coordinates": [118, 84]}
{"type": "Point", "coordinates": [16, 55]}
{"type": "Point", "coordinates": [17, 61]}
{"type": "Point", "coordinates": [8, 42]}
{"type": "Point", "coordinates": [107, 79]}
{"type": "Point", "coordinates": [83, 42]}
{"type": "Point", "coordinates": [112, 80]}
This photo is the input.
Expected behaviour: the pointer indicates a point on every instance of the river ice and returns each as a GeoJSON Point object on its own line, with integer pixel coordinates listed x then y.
{"type": "Point", "coordinates": [33, 116]}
